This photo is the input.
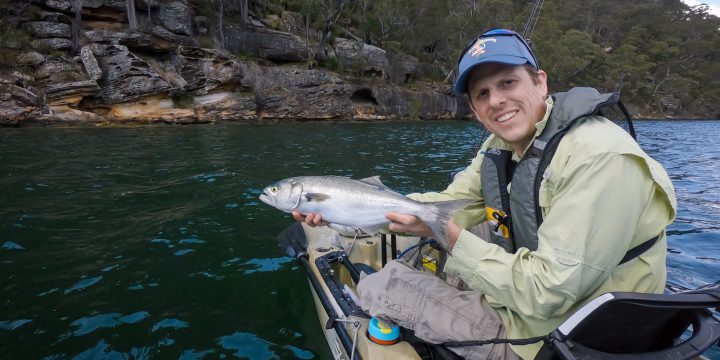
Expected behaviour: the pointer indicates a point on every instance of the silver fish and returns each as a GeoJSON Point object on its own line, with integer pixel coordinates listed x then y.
{"type": "Point", "coordinates": [360, 204]}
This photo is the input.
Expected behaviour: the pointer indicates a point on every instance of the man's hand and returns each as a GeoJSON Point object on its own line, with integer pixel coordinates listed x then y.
{"type": "Point", "coordinates": [411, 224]}
{"type": "Point", "coordinates": [408, 224]}
{"type": "Point", "coordinates": [310, 219]}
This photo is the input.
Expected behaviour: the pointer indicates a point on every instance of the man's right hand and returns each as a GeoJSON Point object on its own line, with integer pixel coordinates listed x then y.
{"type": "Point", "coordinates": [310, 219]}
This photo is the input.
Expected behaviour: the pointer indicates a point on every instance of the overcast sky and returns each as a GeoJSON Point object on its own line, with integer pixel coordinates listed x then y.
{"type": "Point", "coordinates": [714, 5]}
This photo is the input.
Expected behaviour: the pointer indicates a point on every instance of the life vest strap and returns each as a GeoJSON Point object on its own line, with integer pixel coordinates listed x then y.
{"type": "Point", "coordinates": [638, 250]}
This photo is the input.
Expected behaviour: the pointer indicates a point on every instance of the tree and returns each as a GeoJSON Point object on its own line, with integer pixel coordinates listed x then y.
{"type": "Point", "coordinates": [221, 31]}
{"type": "Point", "coordinates": [333, 13]}
{"type": "Point", "coordinates": [243, 8]}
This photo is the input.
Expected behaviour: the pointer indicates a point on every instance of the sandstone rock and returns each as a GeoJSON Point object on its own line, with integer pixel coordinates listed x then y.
{"type": "Point", "coordinates": [292, 22]}
{"type": "Point", "coordinates": [137, 40]}
{"type": "Point", "coordinates": [151, 110]}
{"type": "Point", "coordinates": [176, 16]}
{"type": "Point", "coordinates": [16, 102]}
{"type": "Point", "coordinates": [71, 89]}
{"type": "Point", "coordinates": [105, 10]}
{"type": "Point", "coordinates": [31, 58]}
{"type": "Point", "coordinates": [62, 5]}
{"type": "Point", "coordinates": [265, 43]}
{"type": "Point", "coordinates": [128, 77]}
{"type": "Point", "coordinates": [104, 36]}
{"type": "Point", "coordinates": [207, 69]}
{"type": "Point", "coordinates": [46, 29]}
{"type": "Point", "coordinates": [366, 106]}
{"type": "Point", "coordinates": [56, 43]}
{"type": "Point", "coordinates": [162, 33]}
{"type": "Point", "coordinates": [287, 93]}
{"type": "Point", "coordinates": [97, 49]}
{"type": "Point", "coordinates": [92, 68]}
{"type": "Point", "coordinates": [19, 95]}
{"type": "Point", "coordinates": [117, 5]}
{"type": "Point", "coordinates": [56, 71]}
{"type": "Point", "coordinates": [65, 115]}
{"type": "Point", "coordinates": [226, 106]}
{"type": "Point", "coordinates": [360, 57]}
{"type": "Point", "coordinates": [402, 67]}
{"type": "Point", "coordinates": [385, 101]}
{"type": "Point", "coordinates": [434, 105]}
{"type": "Point", "coordinates": [15, 77]}
{"type": "Point", "coordinates": [53, 17]}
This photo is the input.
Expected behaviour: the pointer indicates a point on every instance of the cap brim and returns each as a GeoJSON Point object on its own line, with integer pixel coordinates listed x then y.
{"type": "Point", "coordinates": [460, 87]}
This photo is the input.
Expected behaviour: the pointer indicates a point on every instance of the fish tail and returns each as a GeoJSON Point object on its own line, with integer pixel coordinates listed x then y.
{"type": "Point", "coordinates": [440, 213]}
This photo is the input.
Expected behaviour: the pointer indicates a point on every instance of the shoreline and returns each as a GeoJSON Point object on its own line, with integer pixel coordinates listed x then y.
{"type": "Point", "coordinates": [266, 122]}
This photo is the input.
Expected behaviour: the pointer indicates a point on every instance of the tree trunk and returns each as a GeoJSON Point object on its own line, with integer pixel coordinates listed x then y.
{"type": "Point", "coordinates": [149, 6]}
{"type": "Point", "coordinates": [221, 33]}
{"type": "Point", "coordinates": [131, 16]}
{"type": "Point", "coordinates": [76, 26]}
{"type": "Point", "coordinates": [329, 22]}
{"type": "Point", "coordinates": [244, 12]}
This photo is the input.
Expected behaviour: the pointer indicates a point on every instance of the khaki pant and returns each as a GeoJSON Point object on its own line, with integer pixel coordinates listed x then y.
{"type": "Point", "coordinates": [436, 311]}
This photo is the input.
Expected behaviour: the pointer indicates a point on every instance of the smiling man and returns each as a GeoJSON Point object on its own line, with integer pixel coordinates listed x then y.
{"type": "Point", "coordinates": [573, 206]}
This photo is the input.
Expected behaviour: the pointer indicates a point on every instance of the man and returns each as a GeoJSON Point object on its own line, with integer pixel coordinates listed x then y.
{"type": "Point", "coordinates": [575, 207]}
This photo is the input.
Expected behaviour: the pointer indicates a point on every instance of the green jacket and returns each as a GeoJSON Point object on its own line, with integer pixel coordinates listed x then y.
{"type": "Point", "coordinates": [601, 196]}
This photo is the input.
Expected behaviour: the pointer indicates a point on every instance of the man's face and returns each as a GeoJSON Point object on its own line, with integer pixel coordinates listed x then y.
{"type": "Point", "coordinates": [508, 101]}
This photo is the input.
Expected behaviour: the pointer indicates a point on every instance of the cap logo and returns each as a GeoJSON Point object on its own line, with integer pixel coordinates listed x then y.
{"type": "Point", "coordinates": [479, 47]}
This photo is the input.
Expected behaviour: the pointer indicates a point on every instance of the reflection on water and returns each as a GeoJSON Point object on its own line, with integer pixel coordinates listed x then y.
{"type": "Point", "coordinates": [151, 242]}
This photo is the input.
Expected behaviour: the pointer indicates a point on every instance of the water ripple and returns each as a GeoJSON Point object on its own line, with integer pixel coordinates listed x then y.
{"type": "Point", "coordinates": [247, 345]}
{"type": "Point", "coordinates": [124, 203]}
{"type": "Point", "coordinates": [170, 323]}
{"type": "Point", "coordinates": [83, 284]}
{"type": "Point", "coordinates": [87, 325]}
{"type": "Point", "coordinates": [13, 324]}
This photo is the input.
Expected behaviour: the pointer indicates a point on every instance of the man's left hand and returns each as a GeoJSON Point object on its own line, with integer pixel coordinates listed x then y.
{"type": "Point", "coordinates": [411, 224]}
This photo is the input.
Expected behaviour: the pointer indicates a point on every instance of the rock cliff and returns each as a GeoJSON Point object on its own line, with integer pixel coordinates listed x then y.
{"type": "Point", "coordinates": [159, 73]}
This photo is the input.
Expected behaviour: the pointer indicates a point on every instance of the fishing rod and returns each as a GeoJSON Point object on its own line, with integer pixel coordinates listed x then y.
{"type": "Point", "coordinates": [532, 20]}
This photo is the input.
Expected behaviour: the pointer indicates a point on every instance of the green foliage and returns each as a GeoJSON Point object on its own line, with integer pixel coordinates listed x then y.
{"type": "Point", "coordinates": [332, 63]}
{"type": "Point", "coordinates": [205, 41]}
{"type": "Point", "coordinates": [11, 38]}
{"type": "Point", "coordinates": [7, 59]}
{"type": "Point", "coordinates": [205, 8]}
{"type": "Point", "coordinates": [46, 49]}
{"type": "Point", "coordinates": [414, 106]}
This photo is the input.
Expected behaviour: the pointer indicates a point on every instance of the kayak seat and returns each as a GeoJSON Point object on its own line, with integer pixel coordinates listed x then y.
{"type": "Point", "coordinates": [633, 326]}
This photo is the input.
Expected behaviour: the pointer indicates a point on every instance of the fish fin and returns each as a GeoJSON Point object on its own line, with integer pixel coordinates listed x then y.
{"type": "Point", "coordinates": [345, 230]}
{"type": "Point", "coordinates": [374, 181]}
{"type": "Point", "coordinates": [316, 197]}
{"type": "Point", "coordinates": [296, 190]}
{"type": "Point", "coordinates": [441, 212]}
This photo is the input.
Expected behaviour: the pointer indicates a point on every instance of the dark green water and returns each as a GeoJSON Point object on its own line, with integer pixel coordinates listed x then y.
{"type": "Point", "coordinates": [150, 242]}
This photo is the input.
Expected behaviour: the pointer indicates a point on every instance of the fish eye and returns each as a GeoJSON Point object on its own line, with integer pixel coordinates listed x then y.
{"type": "Point", "coordinates": [274, 189]}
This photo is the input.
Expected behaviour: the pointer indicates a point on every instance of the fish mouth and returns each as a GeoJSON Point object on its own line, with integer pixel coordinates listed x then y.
{"type": "Point", "coordinates": [265, 197]}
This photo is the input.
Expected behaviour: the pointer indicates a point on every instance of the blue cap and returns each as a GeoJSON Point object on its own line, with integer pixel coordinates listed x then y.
{"type": "Point", "coordinates": [495, 46]}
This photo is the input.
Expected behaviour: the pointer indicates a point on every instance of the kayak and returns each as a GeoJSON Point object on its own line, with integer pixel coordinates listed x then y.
{"type": "Point", "coordinates": [334, 262]}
